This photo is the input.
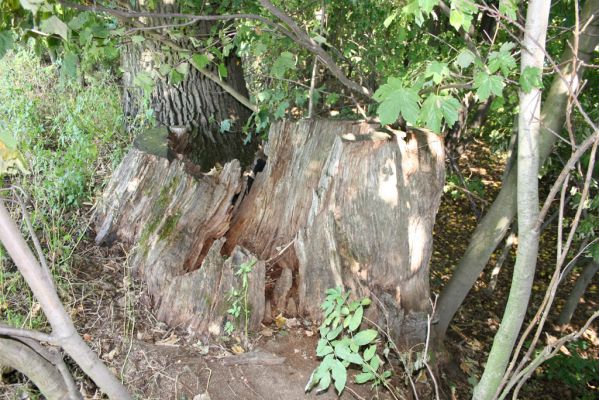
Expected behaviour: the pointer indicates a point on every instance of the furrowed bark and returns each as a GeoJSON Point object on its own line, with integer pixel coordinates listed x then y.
{"type": "Point", "coordinates": [528, 205]}
{"type": "Point", "coordinates": [494, 225]}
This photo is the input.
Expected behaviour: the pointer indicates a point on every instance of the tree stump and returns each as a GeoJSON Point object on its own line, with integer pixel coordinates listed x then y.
{"type": "Point", "coordinates": [336, 204]}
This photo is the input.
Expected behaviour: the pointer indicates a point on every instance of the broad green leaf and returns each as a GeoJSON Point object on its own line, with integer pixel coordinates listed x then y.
{"type": "Point", "coordinates": [509, 8]}
{"type": "Point", "coordinates": [389, 20]}
{"type": "Point", "coordinates": [280, 112]}
{"type": "Point", "coordinates": [137, 39]}
{"type": "Point", "coordinates": [79, 20]}
{"type": "Point", "coordinates": [282, 64]}
{"type": "Point", "coordinates": [456, 18]}
{"type": "Point", "coordinates": [427, 5]}
{"type": "Point", "coordinates": [343, 352]}
{"type": "Point", "coordinates": [487, 85]}
{"type": "Point", "coordinates": [398, 101]}
{"type": "Point", "coordinates": [369, 352]}
{"type": "Point", "coordinates": [365, 337]}
{"type": "Point", "coordinates": [364, 377]}
{"type": "Point", "coordinates": [325, 381]}
{"type": "Point", "coordinates": [6, 42]}
{"type": "Point", "coordinates": [222, 70]}
{"type": "Point", "coordinates": [465, 59]}
{"type": "Point", "coordinates": [435, 108]}
{"type": "Point", "coordinates": [438, 70]}
{"type": "Point", "coordinates": [375, 362]}
{"type": "Point", "coordinates": [355, 319]}
{"type": "Point", "coordinates": [31, 5]}
{"type": "Point", "coordinates": [144, 81]}
{"type": "Point", "coordinates": [531, 78]}
{"type": "Point", "coordinates": [339, 376]}
{"type": "Point", "coordinates": [323, 351]}
{"type": "Point", "coordinates": [183, 68]}
{"type": "Point", "coordinates": [55, 26]}
{"type": "Point", "coordinates": [366, 301]}
{"type": "Point", "coordinates": [200, 61]}
{"type": "Point", "coordinates": [502, 59]}
{"type": "Point", "coordinates": [69, 64]}
{"type": "Point", "coordinates": [175, 77]}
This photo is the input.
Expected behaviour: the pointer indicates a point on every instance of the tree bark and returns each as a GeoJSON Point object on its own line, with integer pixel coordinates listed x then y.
{"type": "Point", "coordinates": [533, 47]}
{"type": "Point", "coordinates": [197, 103]}
{"type": "Point", "coordinates": [494, 225]}
{"type": "Point", "coordinates": [359, 213]}
{"type": "Point", "coordinates": [582, 282]}
{"type": "Point", "coordinates": [334, 205]}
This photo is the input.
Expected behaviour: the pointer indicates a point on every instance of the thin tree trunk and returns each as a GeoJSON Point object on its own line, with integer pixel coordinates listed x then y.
{"type": "Point", "coordinates": [533, 47]}
{"type": "Point", "coordinates": [42, 373]}
{"type": "Point", "coordinates": [494, 225]}
{"type": "Point", "coordinates": [577, 292]}
{"type": "Point", "coordinates": [62, 326]}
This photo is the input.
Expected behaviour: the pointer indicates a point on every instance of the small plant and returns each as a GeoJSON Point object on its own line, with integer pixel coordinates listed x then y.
{"type": "Point", "coordinates": [578, 373]}
{"type": "Point", "coordinates": [239, 298]}
{"type": "Point", "coordinates": [341, 344]}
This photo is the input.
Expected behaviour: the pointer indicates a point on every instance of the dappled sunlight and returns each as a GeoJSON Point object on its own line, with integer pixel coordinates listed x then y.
{"type": "Point", "coordinates": [387, 183]}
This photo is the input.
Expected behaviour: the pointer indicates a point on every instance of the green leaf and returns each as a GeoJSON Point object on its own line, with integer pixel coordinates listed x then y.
{"type": "Point", "coordinates": [144, 81]}
{"type": "Point", "coordinates": [69, 64]}
{"type": "Point", "coordinates": [531, 78]}
{"type": "Point", "coordinates": [343, 352]}
{"type": "Point", "coordinates": [137, 39]}
{"type": "Point", "coordinates": [225, 126]}
{"type": "Point", "coordinates": [222, 70]}
{"type": "Point", "coordinates": [438, 70]}
{"type": "Point", "coordinates": [31, 5]}
{"type": "Point", "coordinates": [509, 8]}
{"type": "Point", "coordinates": [402, 101]}
{"type": "Point", "coordinates": [366, 301]}
{"type": "Point", "coordinates": [183, 68]}
{"type": "Point", "coordinates": [488, 85]}
{"type": "Point", "coordinates": [325, 382]}
{"type": "Point", "coordinates": [375, 362]}
{"type": "Point", "coordinates": [364, 377]}
{"type": "Point", "coordinates": [365, 337]}
{"type": "Point", "coordinates": [427, 5]}
{"type": "Point", "coordinates": [435, 108]}
{"type": "Point", "coordinates": [6, 42]}
{"type": "Point", "coordinates": [55, 26]}
{"type": "Point", "coordinates": [355, 319]}
{"type": "Point", "coordinates": [339, 376]}
{"type": "Point", "coordinates": [456, 18]}
{"type": "Point", "coordinates": [389, 20]}
{"type": "Point", "coordinates": [465, 59]}
{"type": "Point", "coordinates": [335, 332]}
{"type": "Point", "coordinates": [200, 61]}
{"type": "Point", "coordinates": [502, 59]}
{"type": "Point", "coordinates": [280, 112]}
{"type": "Point", "coordinates": [282, 64]}
{"type": "Point", "coordinates": [369, 352]}
{"type": "Point", "coordinates": [175, 77]}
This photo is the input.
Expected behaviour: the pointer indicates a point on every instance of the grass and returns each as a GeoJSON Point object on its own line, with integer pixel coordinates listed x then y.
{"type": "Point", "coordinates": [72, 137]}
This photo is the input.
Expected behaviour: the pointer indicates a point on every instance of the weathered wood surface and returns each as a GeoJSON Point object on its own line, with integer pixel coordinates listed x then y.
{"type": "Point", "coordinates": [361, 213]}
{"type": "Point", "coordinates": [330, 208]}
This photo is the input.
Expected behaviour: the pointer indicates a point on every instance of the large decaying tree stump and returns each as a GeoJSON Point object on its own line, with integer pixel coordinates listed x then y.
{"type": "Point", "coordinates": [335, 205]}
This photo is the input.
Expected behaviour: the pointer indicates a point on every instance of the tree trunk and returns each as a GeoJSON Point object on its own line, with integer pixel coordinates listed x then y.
{"type": "Point", "coordinates": [333, 206]}
{"type": "Point", "coordinates": [197, 104]}
{"type": "Point", "coordinates": [533, 54]}
{"type": "Point", "coordinates": [583, 281]}
{"type": "Point", "coordinates": [494, 225]}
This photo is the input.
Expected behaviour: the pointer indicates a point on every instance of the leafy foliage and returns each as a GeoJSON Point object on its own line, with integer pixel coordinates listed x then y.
{"type": "Point", "coordinates": [342, 344]}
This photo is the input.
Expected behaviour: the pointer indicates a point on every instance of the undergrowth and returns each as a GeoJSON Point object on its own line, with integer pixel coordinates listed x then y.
{"type": "Point", "coordinates": [71, 137]}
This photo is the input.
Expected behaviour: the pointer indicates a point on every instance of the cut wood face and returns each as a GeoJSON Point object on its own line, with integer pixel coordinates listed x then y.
{"type": "Point", "coordinates": [325, 211]}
